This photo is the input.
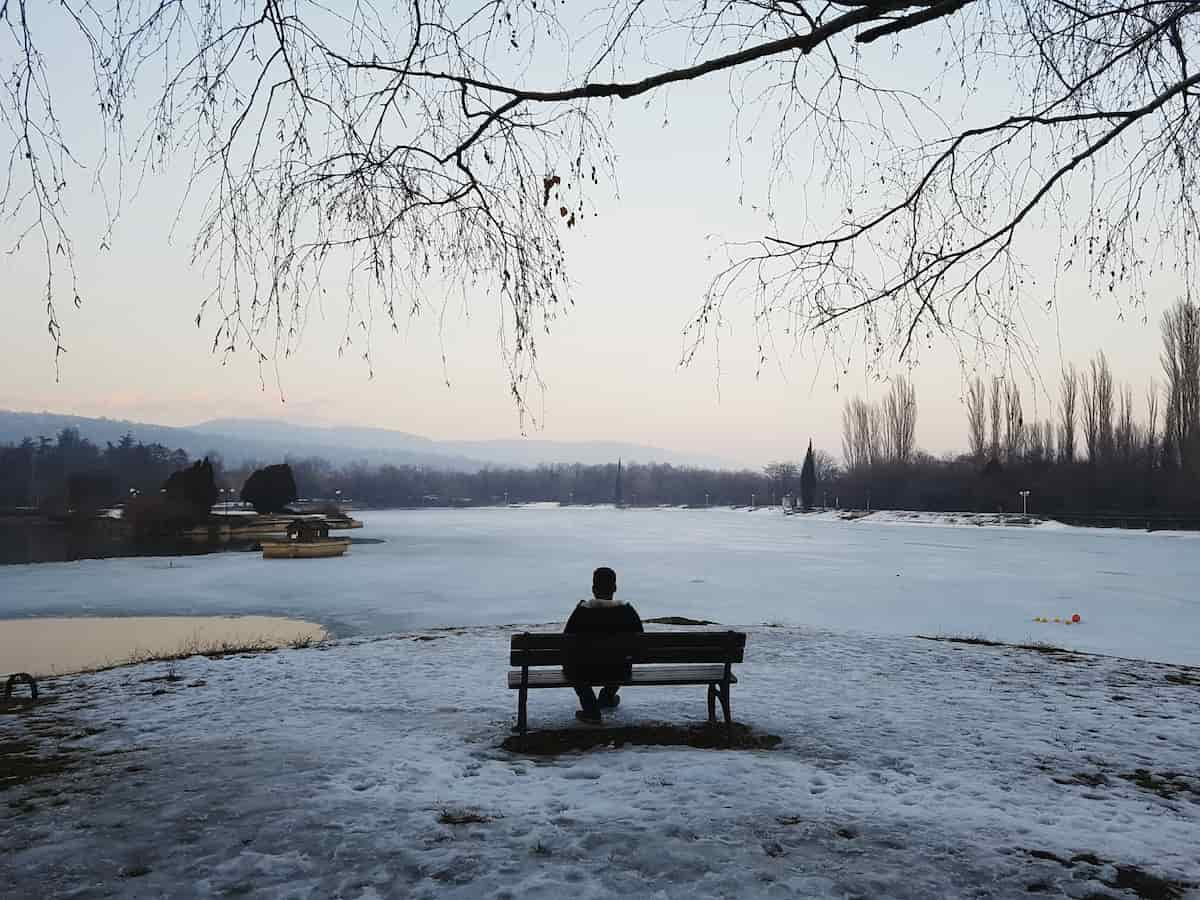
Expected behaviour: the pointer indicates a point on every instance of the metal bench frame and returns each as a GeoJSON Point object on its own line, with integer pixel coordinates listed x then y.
{"type": "Point", "coordinates": [657, 658]}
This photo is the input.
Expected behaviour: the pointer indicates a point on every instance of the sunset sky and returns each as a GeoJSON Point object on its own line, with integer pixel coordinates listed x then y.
{"type": "Point", "coordinates": [610, 368]}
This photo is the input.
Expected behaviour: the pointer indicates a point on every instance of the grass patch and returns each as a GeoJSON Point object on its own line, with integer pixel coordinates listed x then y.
{"type": "Point", "coordinates": [211, 649]}
{"type": "Point", "coordinates": [704, 737]}
{"type": "Point", "coordinates": [679, 620]}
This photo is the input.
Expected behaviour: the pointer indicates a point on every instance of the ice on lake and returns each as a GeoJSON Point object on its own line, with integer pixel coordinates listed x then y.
{"type": "Point", "coordinates": [1136, 592]}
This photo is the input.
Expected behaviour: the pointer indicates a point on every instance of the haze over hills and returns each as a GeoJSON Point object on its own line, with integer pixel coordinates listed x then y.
{"type": "Point", "coordinates": [269, 440]}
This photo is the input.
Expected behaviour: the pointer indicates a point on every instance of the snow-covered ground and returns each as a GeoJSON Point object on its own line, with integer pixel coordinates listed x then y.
{"type": "Point", "coordinates": [907, 769]}
{"type": "Point", "coordinates": [1136, 592]}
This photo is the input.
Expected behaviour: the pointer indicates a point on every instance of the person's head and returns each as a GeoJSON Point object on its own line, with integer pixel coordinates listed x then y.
{"type": "Point", "coordinates": [604, 583]}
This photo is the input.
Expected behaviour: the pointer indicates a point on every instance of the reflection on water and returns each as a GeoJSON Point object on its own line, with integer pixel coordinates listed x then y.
{"type": "Point", "coordinates": [26, 541]}
{"type": "Point", "coordinates": [56, 646]}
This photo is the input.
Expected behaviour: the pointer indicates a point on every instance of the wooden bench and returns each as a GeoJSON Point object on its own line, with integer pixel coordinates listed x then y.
{"type": "Point", "coordinates": [657, 658]}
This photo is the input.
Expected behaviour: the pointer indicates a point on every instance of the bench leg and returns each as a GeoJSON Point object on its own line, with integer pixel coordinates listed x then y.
{"type": "Point", "coordinates": [712, 704]}
{"type": "Point", "coordinates": [522, 705]}
{"type": "Point", "coordinates": [724, 695]}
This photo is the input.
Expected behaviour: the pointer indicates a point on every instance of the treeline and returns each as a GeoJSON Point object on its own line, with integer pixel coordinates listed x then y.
{"type": "Point", "coordinates": [1095, 454]}
{"type": "Point", "coordinates": [69, 471]}
{"type": "Point", "coordinates": [640, 485]}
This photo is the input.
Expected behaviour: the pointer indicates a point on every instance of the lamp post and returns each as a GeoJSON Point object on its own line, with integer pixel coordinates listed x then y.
{"type": "Point", "coordinates": [1024, 503]}
{"type": "Point", "coordinates": [338, 498]}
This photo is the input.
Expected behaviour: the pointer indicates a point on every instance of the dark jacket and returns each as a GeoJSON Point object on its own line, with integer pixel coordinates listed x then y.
{"type": "Point", "coordinates": [588, 619]}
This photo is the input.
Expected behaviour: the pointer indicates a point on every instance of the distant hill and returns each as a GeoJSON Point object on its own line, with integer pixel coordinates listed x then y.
{"type": "Point", "coordinates": [268, 440]}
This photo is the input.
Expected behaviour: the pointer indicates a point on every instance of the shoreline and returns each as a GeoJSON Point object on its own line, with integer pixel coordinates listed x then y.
{"type": "Point", "coordinates": [47, 646]}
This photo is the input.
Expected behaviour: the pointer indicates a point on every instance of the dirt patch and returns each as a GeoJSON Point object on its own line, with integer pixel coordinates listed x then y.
{"type": "Point", "coordinates": [1183, 678]}
{"type": "Point", "coordinates": [20, 705]}
{"type": "Point", "coordinates": [463, 817]}
{"type": "Point", "coordinates": [1088, 779]}
{"type": "Point", "coordinates": [20, 763]}
{"type": "Point", "coordinates": [704, 737]}
{"type": "Point", "coordinates": [1060, 653]}
{"type": "Point", "coordinates": [1166, 784]}
{"type": "Point", "coordinates": [1128, 878]}
{"type": "Point", "coordinates": [679, 620]}
{"type": "Point", "coordinates": [1147, 886]}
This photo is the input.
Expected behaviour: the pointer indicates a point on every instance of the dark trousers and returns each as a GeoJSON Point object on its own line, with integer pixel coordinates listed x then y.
{"type": "Point", "coordinates": [587, 696]}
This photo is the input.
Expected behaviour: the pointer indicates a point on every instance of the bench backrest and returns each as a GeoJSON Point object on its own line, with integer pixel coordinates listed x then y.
{"type": "Point", "coordinates": [653, 647]}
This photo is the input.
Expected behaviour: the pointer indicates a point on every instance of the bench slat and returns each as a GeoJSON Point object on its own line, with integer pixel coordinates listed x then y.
{"type": "Point", "coordinates": [652, 647]}
{"type": "Point", "coordinates": [531, 640]}
{"type": "Point", "coordinates": [603, 656]}
{"type": "Point", "coordinates": [642, 675]}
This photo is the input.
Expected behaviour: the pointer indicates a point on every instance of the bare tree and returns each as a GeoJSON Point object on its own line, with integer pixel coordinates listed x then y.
{"type": "Point", "coordinates": [1014, 423]}
{"type": "Point", "coordinates": [826, 467]}
{"type": "Point", "coordinates": [1048, 439]}
{"type": "Point", "coordinates": [862, 429]}
{"type": "Point", "coordinates": [1151, 432]}
{"type": "Point", "coordinates": [783, 478]}
{"type": "Point", "coordinates": [395, 151]}
{"type": "Point", "coordinates": [1126, 432]}
{"type": "Point", "coordinates": [1181, 365]}
{"type": "Point", "coordinates": [900, 421]}
{"type": "Point", "coordinates": [977, 418]}
{"type": "Point", "coordinates": [1098, 410]}
{"type": "Point", "coordinates": [996, 417]}
{"type": "Point", "coordinates": [1035, 447]}
{"type": "Point", "coordinates": [1068, 396]}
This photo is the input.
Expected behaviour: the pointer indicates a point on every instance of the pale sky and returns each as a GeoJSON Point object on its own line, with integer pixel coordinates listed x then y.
{"type": "Point", "coordinates": [610, 366]}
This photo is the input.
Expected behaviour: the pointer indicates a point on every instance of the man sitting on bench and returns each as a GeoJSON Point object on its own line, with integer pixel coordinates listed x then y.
{"type": "Point", "coordinates": [600, 615]}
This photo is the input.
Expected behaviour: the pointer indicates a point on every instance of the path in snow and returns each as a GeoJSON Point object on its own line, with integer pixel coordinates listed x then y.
{"type": "Point", "coordinates": [908, 769]}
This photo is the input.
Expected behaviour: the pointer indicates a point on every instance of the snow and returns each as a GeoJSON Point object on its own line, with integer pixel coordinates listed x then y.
{"type": "Point", "coordinates": [1136, 592]}
{"type": "Point", "coordinates": [908, 769]}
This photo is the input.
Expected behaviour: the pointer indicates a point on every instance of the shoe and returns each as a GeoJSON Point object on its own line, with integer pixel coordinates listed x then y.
{"type": "Point", "coordinates": [607, 702]}
{"type": "Point", "coordinates": [592, 717]}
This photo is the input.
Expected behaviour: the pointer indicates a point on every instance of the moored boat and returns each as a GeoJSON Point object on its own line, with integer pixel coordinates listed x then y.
{"type": "Point", "coordinates": [306, 539]}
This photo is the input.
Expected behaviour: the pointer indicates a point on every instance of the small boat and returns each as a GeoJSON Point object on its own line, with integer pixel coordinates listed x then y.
{"type": "Point", "coordinates": [306, 539]}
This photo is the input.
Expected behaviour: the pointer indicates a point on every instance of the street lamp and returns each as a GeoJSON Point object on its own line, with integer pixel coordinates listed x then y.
{"type": "Point", "coordinates": [338, 498]}
{"type": "Point", "coordinates": [1024, 502]}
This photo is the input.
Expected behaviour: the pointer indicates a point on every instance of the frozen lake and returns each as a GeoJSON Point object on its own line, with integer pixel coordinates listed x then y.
{"type": "Point", "coordinates": [1136, 592]}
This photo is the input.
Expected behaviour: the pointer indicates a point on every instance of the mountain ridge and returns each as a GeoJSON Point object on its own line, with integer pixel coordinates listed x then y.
{"type": "Point", "coordinates": [267, 440]}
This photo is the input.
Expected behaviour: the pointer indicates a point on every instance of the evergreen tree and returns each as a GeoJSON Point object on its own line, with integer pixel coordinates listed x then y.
{"type": "Point", "coordinates": [271, 489]}
{"type": "Point", "coordinates": [808, 480]}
